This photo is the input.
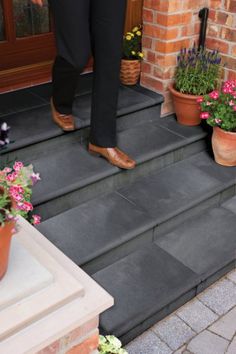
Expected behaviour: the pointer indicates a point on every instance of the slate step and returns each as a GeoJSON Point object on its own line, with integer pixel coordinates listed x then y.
{"type": "Point", "coordinates": [107, 228]}
{"type": "Point", "coordinates": [29, 116]}
{"type": "Point", "coordinates": [153, 146]}
{"type": "Point", "coordinates": [153, 281]}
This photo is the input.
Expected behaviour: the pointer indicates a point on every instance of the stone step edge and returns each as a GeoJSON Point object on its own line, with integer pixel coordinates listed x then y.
{"type": "Point", "coordinates": [151, 226]}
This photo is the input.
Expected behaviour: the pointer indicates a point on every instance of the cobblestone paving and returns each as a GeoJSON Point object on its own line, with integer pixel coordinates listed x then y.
{"type": "Point", "coordinates": [205, 325]}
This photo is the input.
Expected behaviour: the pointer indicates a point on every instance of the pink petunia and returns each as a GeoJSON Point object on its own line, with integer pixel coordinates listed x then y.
{"type": "Point", "coordinates": [214, 95]}
{"type": "Point", "coordinates": [7, 170]}
{"type": "Point", "coordinates": [36, 219]}
{"type": "Point", "coordinates": [234, 108]}
{"type": "Point", "coordinates": [26, 206]}
{"type": "Point", "coordinates": [12, 177]}
{"type": "Point", "coordinates": [199, 99]}
{"type": "Point", "coordinates": [18, 166]}
{"type": "Point", "coordinates": [204, 115]}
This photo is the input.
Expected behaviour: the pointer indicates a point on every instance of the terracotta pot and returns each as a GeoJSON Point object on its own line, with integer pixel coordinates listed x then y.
{"type": "Point", "coordinates": [130, 71]}
{"type": "Point", "coordinates": [224, 147]}
{"type": "Point", "coordinates": [5, 242]}
{"type": "Point", "coordinates": [186, 107]}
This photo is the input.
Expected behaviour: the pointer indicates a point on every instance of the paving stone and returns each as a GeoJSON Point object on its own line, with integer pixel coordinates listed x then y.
{"type": "Point", "coordinates": [196, 315]}
{"type": "Point", "coordinates": [226, 325]}
{"type": "Point", "coordinates": [207, 343]}
{"type": "Point", "coordinates": [220, 297]}
{"type": "Point", "coordinates": [91, 229]}
{"type": "Point", "coordinates": [18, 100]}
{"type": "Point", "coordinates": [232, 347]}
{"type": "Point", "coordinates": [147, 141]}
{"type": "Point", "coordinates": [205, 250]}
{"type": "Point", "coordinates": [230, 204]}
{"type": "Point", "coordinates": [57, 176]}
{"type": "Point", "coordinates": [129, 100]}
{"type": "Point", "coordinates": [164, 194]}
{"type": "Point", "coordinates": [232, 276]}
{"type": "Point", "coordinates": [140, 287]}
{"type": "Point", "coordinates": [148, 343]}
{"type": "Point", "coordinates": [173, 331]}
{"type": "Point", "coordinates": [180, 350]}
{"type": "Point", "coordinates": [188, 132]}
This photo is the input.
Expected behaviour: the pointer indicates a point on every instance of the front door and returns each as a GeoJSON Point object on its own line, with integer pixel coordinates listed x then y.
{"type": "Point", "coordinates": [27, 45]}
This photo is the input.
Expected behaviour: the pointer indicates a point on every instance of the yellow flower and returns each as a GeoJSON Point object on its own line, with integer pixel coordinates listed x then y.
{"type": "Point", "coordinates": [141, 55]}
{"type": "Point", "coordinates": [130, 33]}
{"type": "Point", "coordinates": [138, 33]}
{"type": "Point", "coordinates": [133, 52]}
{"type": "Point", "coordinates": [135, 29]}
{"type": "Point", "coordinates": [128, 37]}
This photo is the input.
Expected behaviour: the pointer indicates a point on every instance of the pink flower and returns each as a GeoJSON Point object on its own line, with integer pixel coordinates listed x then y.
{"type": "Point", "coordinates": [204, 115]}
{"type": "Point", "coordinates": [16, 189]}
{"type": "Point", "coordinates": [7, 170]}
{"type": "Point", "coordinates": [231, 103]}
{"type": "Point", "coordinates": [209, 103]}
{"type": "Point", "coordinates": [18, 197]}
{"type": "Point", "coordinates": [218, 121]}
{"type": "Point", "coordinates": [18, 166]}
{"type": "Point", "coordinates": [26, 206]}
{"type": "Point", "coordinates": [200, 100]}
{"type": "Point", "coordinates": [35, 177]}
{"type": "Point", "coordinates": [214, 95]}
{"type": "Point", "coordinates": [234, 108]}
{"type": "Point", "coordinates": [11, 177]}
{"type": "Point", "coordinates": [36, 219]}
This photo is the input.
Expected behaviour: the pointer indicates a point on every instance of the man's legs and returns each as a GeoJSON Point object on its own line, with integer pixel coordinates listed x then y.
{"type": "Point", "coordinates": [107, 27]}
{"type": "Point", "coordinates": [71, 20]}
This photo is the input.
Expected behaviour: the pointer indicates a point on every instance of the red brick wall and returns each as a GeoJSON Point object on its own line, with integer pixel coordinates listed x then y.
{"type": "Point", "coordinates": [169, 25]}
{"type": "Point", "coordinates": [222, 33]}
{"type": "Point", "coordinates": [82, 340]}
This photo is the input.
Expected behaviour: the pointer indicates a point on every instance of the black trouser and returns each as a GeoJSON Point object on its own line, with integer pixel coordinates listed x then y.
{"type": "Point", "coordinates": [82, 28]}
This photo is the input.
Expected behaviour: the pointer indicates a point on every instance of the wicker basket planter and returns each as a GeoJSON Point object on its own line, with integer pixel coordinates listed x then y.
{"type": "Point", "coordinates": [130, 71]}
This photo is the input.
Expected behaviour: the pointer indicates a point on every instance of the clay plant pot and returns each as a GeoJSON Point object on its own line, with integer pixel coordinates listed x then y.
{"type": "Point", "coordinates": [186, 107]}
{"type": "Point", "coordinates": [130, 71]}
{"type": "Point", "coordinates": [6, 233]}
{"type": "Point", "coordinates": [224, 147]}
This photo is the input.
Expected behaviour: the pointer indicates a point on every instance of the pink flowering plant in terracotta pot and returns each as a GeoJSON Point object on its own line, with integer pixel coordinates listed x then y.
{"type": "Point", "coordinates": [218, 108]}
{"type": "Point", "coordinates": [16, 185]}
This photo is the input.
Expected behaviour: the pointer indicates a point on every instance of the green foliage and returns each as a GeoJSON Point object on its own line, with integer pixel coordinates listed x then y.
{"type": "Point", "coordinates": [198, 71]}
{"type": "Point", "coordinates": [110, 345]}
{"type": "Point", "coordinates": [132, 44]}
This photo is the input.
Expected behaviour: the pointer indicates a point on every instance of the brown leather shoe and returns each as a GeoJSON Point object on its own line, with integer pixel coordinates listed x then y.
{"type": "Point", "coordinates": [65, 121]}
{"type": "Point", "coordinates": [114, 155]}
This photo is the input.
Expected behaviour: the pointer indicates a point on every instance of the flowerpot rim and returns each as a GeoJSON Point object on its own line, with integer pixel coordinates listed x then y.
{"type": "Point", "coordinates": [124, 59]}
{"type": "Point", "coordinates": [180, 94]}
{"type": "Point", "coordinates": [224, 131]}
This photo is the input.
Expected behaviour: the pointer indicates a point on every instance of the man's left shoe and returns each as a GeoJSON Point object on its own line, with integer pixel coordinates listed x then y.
{"type": "Point", "coordinates": [114, 155]}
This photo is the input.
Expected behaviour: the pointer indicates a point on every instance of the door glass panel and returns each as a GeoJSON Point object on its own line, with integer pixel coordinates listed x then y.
{"type": "Point", "coordinates": [30, 19]}
{"type": "Point", "coordinates": [2, 30]}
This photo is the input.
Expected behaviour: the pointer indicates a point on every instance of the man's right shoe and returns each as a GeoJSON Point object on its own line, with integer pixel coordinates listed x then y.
{"type": "Point", "coordinates": [65, 121]}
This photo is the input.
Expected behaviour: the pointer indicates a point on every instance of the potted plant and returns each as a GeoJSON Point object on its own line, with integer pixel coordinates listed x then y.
{"type": "Point", "coordinates": [131, 56]}
{"type": "Point", "coordinates": [219, 110]}
{"type": "Point", "coordinates": [197, 73]}
{"type": "Point", "coordinates": [110, 345]}
{"type": "Point", "coordinates": [15, 193]}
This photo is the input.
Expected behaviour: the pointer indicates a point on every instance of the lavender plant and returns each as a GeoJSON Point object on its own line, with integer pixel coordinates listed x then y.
{"type": "Point", "coordinates": [198, 71]}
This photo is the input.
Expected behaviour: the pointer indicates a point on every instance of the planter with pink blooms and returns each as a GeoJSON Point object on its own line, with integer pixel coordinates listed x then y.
{"type": "Point", "coordinates": [15, 193]}
{"type": "Point", "coordinates": [219, 110]}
